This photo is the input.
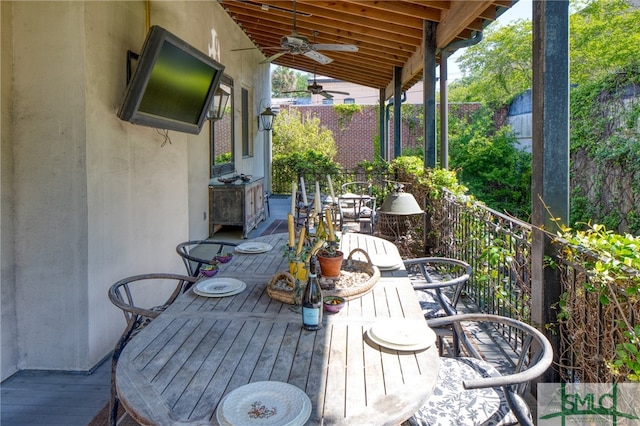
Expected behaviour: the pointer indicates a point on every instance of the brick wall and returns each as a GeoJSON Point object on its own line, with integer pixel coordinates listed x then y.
{"type": "Point", "coordinates": [355, 138]}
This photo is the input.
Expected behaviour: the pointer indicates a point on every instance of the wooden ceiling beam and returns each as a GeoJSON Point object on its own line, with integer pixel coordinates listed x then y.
{"type": "Point", "coordinates": [374, 17]}
{"type": "Point", "coordinates": [416, 10]}
{"type": "Point", "coordinates": [268, 39]}
{"type": "Point", "coordinates": [323, 26]}
{"type": "Point", "coordinates": [340, 14]}
{"type": "Point", "coordinates": [458, 18]}
{"type": "Point", "coordinates": [388, 33]}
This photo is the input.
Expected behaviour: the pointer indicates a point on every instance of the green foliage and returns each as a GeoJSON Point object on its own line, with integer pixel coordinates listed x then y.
{"type": "Point", "coordinates": [612, 262]}
{"type": "Point", "coordinates": [376, 148]}
{"type": "Point", "coordinates": [595, 106]}
{"type": "Point", "coordinates": [293, 134]}
{"type": "Point", "coordinates": [285, 79]}
{"type": "Point", "coordinates": [223, 158]}
{"type": "Point", "coordinates": [605, 137]}
{"type": "Point", "coordinates": [628, 356]}
{"type": "Point", "coordinates": [409, 166]}
{"type": "Point", "coordinates": [489, 163]}
{"type": "Point", "coordinates": [413, 151]}
{"type": "Point", "coordinates": [413, 116]}
{"type": "Point", "coordinates": [498, 68]}
{"type": "Point", "coordinates": [604, 36]}
{"type": "Point", "coordinates": [345, 113]}
{"type": "Point", "coordinates": [448, 179]}
{"type": "Point", "coordinates": [313, 165]}
{"type": "Point", "coordinates": [427, 183]}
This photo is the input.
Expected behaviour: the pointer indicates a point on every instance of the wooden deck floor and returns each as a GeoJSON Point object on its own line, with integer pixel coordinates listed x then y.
{"type": "Point", "coordinates": [54, 398]}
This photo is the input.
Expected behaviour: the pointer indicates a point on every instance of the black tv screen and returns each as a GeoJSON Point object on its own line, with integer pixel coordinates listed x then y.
{"type": "Point", "coordinates": [173, 84]}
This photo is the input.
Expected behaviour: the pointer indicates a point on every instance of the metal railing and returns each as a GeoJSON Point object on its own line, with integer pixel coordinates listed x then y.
{"type": "Point", "coordinates": [282, 176]}
{"type": "Point", "coordinates": [499, 249]}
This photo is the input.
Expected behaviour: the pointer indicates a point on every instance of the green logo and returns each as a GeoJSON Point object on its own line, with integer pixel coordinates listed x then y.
{"type": "Point", "coordinates": [593, 403]}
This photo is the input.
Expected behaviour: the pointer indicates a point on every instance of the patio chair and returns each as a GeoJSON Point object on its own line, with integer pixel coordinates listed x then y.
{"type": "Point", "coordinates": [430, 276]}
{"type": "Point", "coordinates": [121, 295]}
{"type": "Point", "coordinates": [472, 391]}
{"type": "Point", "coordinates": [357, 205]}
{"type": "Point", "coordinates": [196, 253]}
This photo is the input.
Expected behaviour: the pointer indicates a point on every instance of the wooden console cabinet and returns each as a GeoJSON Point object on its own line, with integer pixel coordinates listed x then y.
{"type": "Point", "coordinates": [239, 204]}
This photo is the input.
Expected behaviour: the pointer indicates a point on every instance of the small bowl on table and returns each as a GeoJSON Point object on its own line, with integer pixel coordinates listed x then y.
{"type": "Point", "coordinates": [333, 304]}
{"type": "Point", "coordinates": [224, 257]}
{"type": "Point", "coordinates": [209, 270]}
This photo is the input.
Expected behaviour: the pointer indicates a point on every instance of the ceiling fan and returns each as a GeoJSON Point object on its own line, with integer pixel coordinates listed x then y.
{"type": "Point", "coordinates": [316, 89]}
{"type": "Point", "coordinates": [296, 44]}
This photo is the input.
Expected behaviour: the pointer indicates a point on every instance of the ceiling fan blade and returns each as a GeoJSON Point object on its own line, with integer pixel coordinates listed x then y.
{"type": "Point", "coordinates": [326, 94]}
{"type": "Point", "coordinates": [273, 57]}
{"type": "Point", "coordinates": [318, 57]}
{"type": "Point", "coordinates": [337, 92]}
{"type": "Point", "coordinates": [336, 47]}
{"type": "Point", "coordinates": [296, 91]}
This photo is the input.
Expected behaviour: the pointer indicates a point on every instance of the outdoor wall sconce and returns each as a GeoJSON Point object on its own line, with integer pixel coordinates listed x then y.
{"type": "Point", "coordinates": [218, 105]}
{"type": "Point", "coordinates": [265, 119]}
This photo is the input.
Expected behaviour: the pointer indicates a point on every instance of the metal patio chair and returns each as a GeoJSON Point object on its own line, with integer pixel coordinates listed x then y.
{"type": "Point", "coordinates": [430, 276]}
{"type": "Point", "coordinates": [357, 205]}
{"type": "Point", "coordinates": [196, 253]}
{"type": "Point", "coordinates": [472, 391]}
{"type": "Point", "coordinates": [122, 295]}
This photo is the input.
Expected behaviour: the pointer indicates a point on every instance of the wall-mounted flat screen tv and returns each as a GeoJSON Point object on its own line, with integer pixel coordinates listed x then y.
{"type": "Point", "coordinates": [172, 86]}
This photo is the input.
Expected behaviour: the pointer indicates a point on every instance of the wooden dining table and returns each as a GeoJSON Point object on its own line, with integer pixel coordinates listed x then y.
{"type": "Point", "coordinates": [179, 368]}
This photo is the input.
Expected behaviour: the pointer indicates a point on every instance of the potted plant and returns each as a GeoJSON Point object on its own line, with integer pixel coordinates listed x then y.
{"type": "Point", "coordinates": [330, 259]}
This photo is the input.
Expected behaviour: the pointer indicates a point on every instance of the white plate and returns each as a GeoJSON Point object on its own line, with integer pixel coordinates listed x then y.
{"type": "Point", "coordinates": [402, 335]}
{"type": "Point", "coordinates": [384, 262]}
{"type": "Point", "coordinates": [237, 290]}
{"type": "Point", "coordinates": [253, 247]}
{"type": "Point", "coordinates": [218, 285]}
{"type": "Point", "coordinates": [265, 403]}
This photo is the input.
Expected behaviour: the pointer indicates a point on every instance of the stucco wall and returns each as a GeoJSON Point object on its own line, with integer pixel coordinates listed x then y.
{"type": "Point", "coordinates": [8, 329]}
{"type": "Point", "coordinates": [97, 199]}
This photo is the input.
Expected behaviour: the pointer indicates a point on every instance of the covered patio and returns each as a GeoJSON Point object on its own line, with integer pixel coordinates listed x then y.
{"type": "Point", "coordinates": [88, 199]}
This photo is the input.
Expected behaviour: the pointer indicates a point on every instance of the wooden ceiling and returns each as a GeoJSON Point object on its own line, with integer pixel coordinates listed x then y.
{"type": "Point", "coordinates": [388, 33]}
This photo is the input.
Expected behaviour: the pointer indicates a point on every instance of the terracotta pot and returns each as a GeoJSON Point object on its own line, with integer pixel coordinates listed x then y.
{"type": "Point", "coordinates": [330, 265]}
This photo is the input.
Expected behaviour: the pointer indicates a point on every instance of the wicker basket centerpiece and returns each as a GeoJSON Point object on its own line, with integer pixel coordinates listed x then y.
{"type": "Point", "coordinates": [281, 287]}
{"type": "Point", "coordinates": [357, 277]}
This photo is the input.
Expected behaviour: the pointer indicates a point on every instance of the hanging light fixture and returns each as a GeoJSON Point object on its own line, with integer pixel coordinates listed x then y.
{"type": "Point", "coordinates": [218, 105]}
{"type": "Point", "coordinates": [265, 119]}
{"type": "Point", "coordinates": [400, 203]}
